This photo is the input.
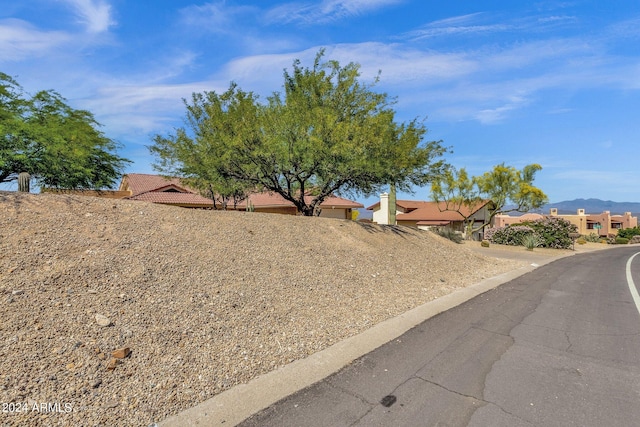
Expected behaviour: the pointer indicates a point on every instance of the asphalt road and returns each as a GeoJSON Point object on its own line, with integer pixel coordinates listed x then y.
{"type": "Point", "coordinates": [559, 346]}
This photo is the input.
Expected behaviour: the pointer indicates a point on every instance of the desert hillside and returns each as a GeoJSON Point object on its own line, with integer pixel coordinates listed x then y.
{"type": "Point", "coordinates": [204, 300]}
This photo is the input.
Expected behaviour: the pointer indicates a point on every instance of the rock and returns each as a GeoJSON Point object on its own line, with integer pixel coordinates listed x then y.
{"type": "Point", "coordinates": [17, 292]}
{"type": "Point", "coordinates": [112, 364]}
{"type": "Point", "coordinates": [121, 353]}
{"type": "Point", "coordinates": [102, 320]}
{"type": "Point", "coordinates": [111, 404]}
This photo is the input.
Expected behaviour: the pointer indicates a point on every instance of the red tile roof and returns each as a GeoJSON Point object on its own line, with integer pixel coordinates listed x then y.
{"type": "Point", "coordinates": [172, 198]}
{"type": "Point", "coordinates": [407, 205]}
{"type": "Point", "coordinates": [432, 211]}
{"type": "Point", "coordinates": [270, 199]}
{"type": "Point", "coordinates": [140, 183]}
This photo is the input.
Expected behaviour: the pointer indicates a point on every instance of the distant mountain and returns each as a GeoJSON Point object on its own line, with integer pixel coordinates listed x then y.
{"type": "Point", "coordinates": [593, 206]}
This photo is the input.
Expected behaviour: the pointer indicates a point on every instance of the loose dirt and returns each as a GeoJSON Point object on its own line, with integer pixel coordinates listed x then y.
{"type": "Point", "coordinates": [203, 300]}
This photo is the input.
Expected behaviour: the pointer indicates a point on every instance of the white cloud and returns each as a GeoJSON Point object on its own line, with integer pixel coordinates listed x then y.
{"type": "Point", "coordinates": [325, 11]}
{"type": "Point", "coordinates": [94, 14]}
{"type": "Point", "coordinates": [215, 17]}
{"type": "Point", "coordinates": [20, 40]}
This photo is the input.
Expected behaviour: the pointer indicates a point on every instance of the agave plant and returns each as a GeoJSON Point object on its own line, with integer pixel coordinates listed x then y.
{"type": "Point", "coordinates": [531, 241]}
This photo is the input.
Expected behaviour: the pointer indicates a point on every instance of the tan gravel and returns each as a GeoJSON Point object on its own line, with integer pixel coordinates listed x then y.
{"type": "Point", "coordinates": [204, 300]}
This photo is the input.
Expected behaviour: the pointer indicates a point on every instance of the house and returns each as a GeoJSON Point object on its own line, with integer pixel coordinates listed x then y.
{"type": "Point", "coordinates": [424, 215]}
{"type": "Point", "coordinates": [602, 224]}
{"type": "Point", "coordinates": [165, 191]}
{"type": "Point", "coordinates": [172, 191]}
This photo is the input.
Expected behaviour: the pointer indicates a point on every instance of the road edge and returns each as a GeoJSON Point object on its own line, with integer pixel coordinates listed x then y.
{"type": "Point", "coordinates": [233, 406]}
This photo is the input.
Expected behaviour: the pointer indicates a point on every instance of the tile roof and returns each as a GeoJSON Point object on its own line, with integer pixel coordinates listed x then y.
{"type": "Point", "coordinates": [404, 204]}
{"type": "Point", "coordinates": [432, 211]}
{"type": "Point", "coordinates": [172, 198]}
{"type": "Point", "coordinates": [140, 183]}
{"type": "Point", "coordinates": [270, 199]}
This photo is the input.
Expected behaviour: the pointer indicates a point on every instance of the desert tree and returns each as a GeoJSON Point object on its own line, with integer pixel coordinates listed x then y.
{"type": "Point", "coordinates": [503, 189]}
{"type": "Point", "coordinates": [326, 133]}
{"type": "Point", "coordinates": [57, 145]}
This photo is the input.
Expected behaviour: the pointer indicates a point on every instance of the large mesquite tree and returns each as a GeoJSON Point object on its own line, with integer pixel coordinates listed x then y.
{"type": "Point", "coordinates": [59, 146]}
{"type": "Point", "coordinates": [328, 133]}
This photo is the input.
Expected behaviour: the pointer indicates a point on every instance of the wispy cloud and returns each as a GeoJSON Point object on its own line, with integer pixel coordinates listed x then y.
{"type": "Point", "coordinates": [94, 14]}
{"type": "Point", "coordinates": [325, 11]}
{"type": "Point", "coordinates": [464, 24]}
{"type": "Point", "coordinates": [20, 40]}
{"type": "Point", "coordinates": [216, 17]}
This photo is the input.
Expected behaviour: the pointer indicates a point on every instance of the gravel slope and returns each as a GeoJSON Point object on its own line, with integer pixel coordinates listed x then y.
{"type": "Point", "coordinates": [204, 300]}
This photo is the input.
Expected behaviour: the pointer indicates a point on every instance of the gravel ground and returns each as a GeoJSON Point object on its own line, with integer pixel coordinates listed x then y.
{"type": "Point", "coordinates": [204, 300]}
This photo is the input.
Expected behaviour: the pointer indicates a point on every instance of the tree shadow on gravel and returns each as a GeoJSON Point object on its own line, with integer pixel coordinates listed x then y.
{"type": "Point", "coordinates": [398, 230]}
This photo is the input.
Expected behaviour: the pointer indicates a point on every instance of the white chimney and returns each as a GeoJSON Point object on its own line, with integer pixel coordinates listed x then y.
{"type": "Point", "coordinates": [382, 216]}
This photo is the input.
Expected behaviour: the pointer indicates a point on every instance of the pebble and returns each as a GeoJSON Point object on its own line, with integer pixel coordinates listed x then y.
{"type": "Point", "coordinates": [102, 320]}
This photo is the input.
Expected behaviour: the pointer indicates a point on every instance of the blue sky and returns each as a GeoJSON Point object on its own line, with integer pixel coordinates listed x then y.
{"type": "Point", "coordinates": [549, 82]}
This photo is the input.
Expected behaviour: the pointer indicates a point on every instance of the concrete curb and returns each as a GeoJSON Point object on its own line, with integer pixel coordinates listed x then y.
{"type": "Point", "coordinates": [237, 404]}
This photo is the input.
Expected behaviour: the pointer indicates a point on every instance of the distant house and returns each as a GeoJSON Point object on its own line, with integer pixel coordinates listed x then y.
{"type": "Point", "coordinates": [165, 191]}
{"type": "Point", "coordinates": [602, 224]}
{"type": "Point", "coordinates": [172, 191]}
{"type": "Point", "coordinates": [424, 215]}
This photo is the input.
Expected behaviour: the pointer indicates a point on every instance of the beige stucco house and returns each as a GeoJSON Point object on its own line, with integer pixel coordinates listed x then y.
{"type": "Point", "coordinates": [602, 224]}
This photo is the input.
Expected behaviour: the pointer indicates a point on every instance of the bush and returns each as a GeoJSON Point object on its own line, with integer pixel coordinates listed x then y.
{"type": "Point", "coordinates": [553, 231]}
{"type": "Point", "coordinates": [509, 235]}
{"type": "Point", "coordinates": [484, 243]}
{"type": "Point", "coordinates": [581, 241]}
{"type": "Point", "coordinates": [593, 238]}
{"type": "Point", "coordinates": [448, 233]}
{"type": "Point", "coordinates": [628, 233]}
{"type": "Point", "coordinates": [621, 240]}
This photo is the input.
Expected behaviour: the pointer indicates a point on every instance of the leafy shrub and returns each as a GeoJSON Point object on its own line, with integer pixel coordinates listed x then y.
{"type": "Point", "coordinates": [621, 240]}
{"type": "Point", "coordinates": [448, 233]}
{"type": "Point", "coordinates": [484, 243]}
{"type": "Point", "coordinates": [581, 241]}
{"type": "Point", "coordinates": [509, 235]}
{"type": "Point", "coordinates": [553, 231]}
{"type": "Point", "coordinates": [592, 237]}
{"type": "Point", "coordinates": [628, 233]}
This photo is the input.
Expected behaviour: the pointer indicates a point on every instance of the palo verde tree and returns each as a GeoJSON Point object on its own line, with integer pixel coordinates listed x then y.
{"type": "Point", "coordinates": [503, 186]}
{"type": "Point", "coordinates": [328, 133]}
{"type": "Point", "coordinates": [57, 145]}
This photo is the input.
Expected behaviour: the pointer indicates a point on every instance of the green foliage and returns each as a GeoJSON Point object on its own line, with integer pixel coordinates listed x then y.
{"type": "Point", "coordinates": [327, 133]}
{"type": "Point", "coordinates": [448, 233]}
{"type": "Point", "coordinates": [484, 243]}
{"type": "Point", "coordinates": [502, 185]}
{"type": "Point", "coordinates": [621, 241]}
{"type": "Point", "coordinates": [628, 233]}
{"type": "Point", "coordinates": [553, 232]}
{"type": "Point", "coordinates": [57, 145]}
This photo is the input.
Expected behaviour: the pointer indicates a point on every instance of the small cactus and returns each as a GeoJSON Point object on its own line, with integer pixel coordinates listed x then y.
{"type": "Point", "coordinates": [24, 180]}
{"type": "Point", "coordinates": [250, 207]}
